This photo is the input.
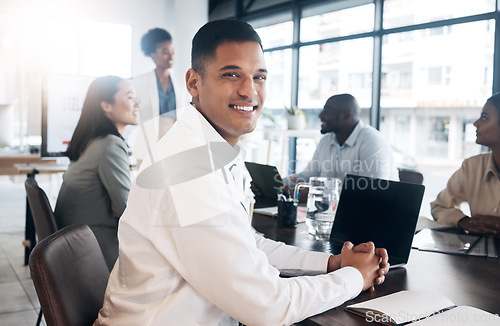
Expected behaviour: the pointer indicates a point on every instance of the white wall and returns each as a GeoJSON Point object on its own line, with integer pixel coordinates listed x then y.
{"type": "Point", "coordinates": [186, 17]}
{"type": "Point", "coordinates": [23, 83]}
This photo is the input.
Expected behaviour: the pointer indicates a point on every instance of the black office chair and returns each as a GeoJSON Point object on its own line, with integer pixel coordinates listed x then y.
{"type": "Point", "coordinates": [70, 276]}
{"type": "Point", "coordinates": [41, 211]}
{"type": "Point", "coordinates": [43, 217]}
{"type": "Point", "coordinates": [410, 176]}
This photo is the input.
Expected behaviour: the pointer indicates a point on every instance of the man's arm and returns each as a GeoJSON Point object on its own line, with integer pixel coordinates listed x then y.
{"type": "Point", "coordinates": [283, 256]}
{"type": "Point", "coordinates": [375, 158]}
{"type": "Point", "coordinates": [219, 259]}
{"type": "Point", "coordinates": [289, 257]}
{"type": "Point", "coordinates": [313, 168]}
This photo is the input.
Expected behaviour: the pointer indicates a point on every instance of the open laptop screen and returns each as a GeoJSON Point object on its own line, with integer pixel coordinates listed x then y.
{"type": "Point", "coordinates": [382, 211]}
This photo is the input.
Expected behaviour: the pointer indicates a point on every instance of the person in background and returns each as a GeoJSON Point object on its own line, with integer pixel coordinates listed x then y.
{"type": "Point", "coordinates": [156, 92]}
{"type": "Point", "coordinates": [96, 185]}
{"type": "Point", "coordinates": [188, 253]}
{"type": "Point", "coordinates": [477, 182]}
{"type": "Point", "coordinates": [349, 146]}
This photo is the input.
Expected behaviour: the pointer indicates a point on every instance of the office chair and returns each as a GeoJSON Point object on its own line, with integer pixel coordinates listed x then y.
{"type": "Point", "coordinates": [410, 176]}
{"type": "Point", "coordinates": [41, 211]}
{"type": "Point", "coordinates": [70, 276]}
{"type": "Point", "coordinates": [43, 217]}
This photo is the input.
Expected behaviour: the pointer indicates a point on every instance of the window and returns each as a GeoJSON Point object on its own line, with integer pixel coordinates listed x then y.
{"type": "Point", "coordinates": [79, 47]}
{"type": "Point", "coordinates": [279, 78]}
{"type": "Point", "coordinates": [276, 35]}
{"type": "Point", "coordinates": [443, 95]}
{"type": "Point", "coordinates": [337, 23]}
{"type": "Point", "coordinates": [331, 68]}
{"type": "Point", "coordinates": [105, 49]}
{"type": "Point", "coordinates": [408, 12]}
{"type": "Point", "coordinates": [436, 72]}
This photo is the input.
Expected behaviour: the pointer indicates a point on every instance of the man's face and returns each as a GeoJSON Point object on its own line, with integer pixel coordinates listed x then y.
{"type": "Point", "coordinates": [331, 117]}
{"type": "Point", "coordinates": [232, 91]}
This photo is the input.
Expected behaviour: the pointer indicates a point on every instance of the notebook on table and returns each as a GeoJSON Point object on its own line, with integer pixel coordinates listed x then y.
{"type": "Point", "coordinates": [266, 178]}
{"type": "Point", "coordinates": [378, 210]}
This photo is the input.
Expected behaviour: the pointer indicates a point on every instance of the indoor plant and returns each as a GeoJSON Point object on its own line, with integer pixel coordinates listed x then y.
{"type": "Point", "coordinates": [296, 118]}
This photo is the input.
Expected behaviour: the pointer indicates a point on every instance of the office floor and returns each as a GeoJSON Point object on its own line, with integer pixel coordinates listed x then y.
{"type": "Point", "coordinates": [18, 301]}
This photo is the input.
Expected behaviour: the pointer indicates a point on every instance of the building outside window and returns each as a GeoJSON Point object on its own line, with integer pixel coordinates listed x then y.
{"type": "Point", "coordinates": [434, 75]}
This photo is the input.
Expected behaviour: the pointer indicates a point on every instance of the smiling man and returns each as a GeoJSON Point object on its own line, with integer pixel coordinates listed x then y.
{"type": "Point", "coordinates": [188, 254]}
{"type": "Point", "coordinates": [231, 90]}
{"type": "Point", "coordinates": [349, 146]}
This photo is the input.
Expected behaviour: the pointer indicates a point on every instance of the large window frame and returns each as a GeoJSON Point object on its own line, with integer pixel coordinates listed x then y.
{"type": "Point", "coordinates": [440, 168]}
{"type": "Point", "coordinates": [297, 8]}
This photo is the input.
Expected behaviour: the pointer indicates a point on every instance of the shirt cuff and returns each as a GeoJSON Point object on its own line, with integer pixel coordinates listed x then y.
{"type": "Point", "coordinates": [353, 280]}
{"type": "Point", "coordinates": [316, 261]}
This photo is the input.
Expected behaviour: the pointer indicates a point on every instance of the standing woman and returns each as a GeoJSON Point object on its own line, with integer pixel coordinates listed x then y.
{"type": "Point", "coordinates": [96, 185]}
{"type": "Point", "coordinates": [477, 182]}
{"type": "Point", "coordinates": [156, 91]}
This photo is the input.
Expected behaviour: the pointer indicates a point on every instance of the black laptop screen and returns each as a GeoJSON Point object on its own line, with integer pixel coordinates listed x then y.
{"type": "Point", "coordinates": [382, 211]}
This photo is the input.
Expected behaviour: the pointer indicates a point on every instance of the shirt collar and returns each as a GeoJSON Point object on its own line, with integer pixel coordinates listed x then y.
{"type": "Point", "coordinates": [199, 124]}
{"type": "Point", "coordinates": [353, 137]}
{"type": "Point", "coordinates": [491, 169]}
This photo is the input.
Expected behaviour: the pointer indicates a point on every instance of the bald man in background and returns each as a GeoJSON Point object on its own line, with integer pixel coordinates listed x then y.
{"type": "Point", "coordinates": [349, 146]}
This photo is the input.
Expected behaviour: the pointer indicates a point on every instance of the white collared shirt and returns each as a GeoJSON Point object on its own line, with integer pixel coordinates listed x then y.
{"type": "Point", "coordinates": [364, 153]}
{"type": "Point", "coordinates": [189, 256]}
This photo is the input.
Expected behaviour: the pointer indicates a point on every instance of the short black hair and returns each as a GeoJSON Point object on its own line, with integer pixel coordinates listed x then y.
{"type": "Point", "coordinates": [213, 34]}
{"type": "Point", "coordinates": [495, 100]}
{"type": "Point", "coordinates": [152, 38]}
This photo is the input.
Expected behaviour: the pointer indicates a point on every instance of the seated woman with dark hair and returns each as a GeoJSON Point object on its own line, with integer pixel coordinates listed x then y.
{"type": "Point", "coordinates": [96, 186]}
{"type": "Point", "coordinates": [477, 182]}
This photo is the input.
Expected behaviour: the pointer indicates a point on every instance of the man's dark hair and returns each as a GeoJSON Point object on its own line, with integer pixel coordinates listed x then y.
{"type": "Point", "coordinates": [495, 100]}
{"type": "Point", "coordinates": [213, 34]}
{"type": "Point", "coordinates": [93, 123]}
{"type": "Point", "coordinates": [152, 38]}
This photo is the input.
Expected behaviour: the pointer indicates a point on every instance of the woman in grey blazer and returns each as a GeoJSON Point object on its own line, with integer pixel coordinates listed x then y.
{"type": "Point", "coordinates": [96, 185]}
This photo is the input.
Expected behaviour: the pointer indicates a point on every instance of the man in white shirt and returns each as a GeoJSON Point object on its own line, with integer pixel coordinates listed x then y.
{"type": "Point", "coordinates": [349, 145]}
{"type": "Point", "coordinates": [188, 254]}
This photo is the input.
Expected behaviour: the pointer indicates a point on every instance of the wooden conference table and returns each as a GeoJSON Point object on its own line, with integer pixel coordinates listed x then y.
{"type": "Point", "coordinates": [472, 281]}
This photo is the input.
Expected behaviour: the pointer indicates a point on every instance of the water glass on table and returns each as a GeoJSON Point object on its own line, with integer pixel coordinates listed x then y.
{"type": "Point", "coordinates": [322, 200]}
{"type": "Point", "coordinates": [323, 225]}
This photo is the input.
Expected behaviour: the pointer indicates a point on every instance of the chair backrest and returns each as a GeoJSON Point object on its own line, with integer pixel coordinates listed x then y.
{"type": "Point", "coordinates": [45, 223]}
{"type": "Point", "coordinates": [70, 276]}
{"type": "Point", "coordinates": [410, 176]}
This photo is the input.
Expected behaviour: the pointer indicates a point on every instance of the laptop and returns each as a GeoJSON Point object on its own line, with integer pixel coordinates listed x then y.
{"type": "Point", "coordinates": [378, 210]}
{"type": "Point", "coordinates": [266, 178]}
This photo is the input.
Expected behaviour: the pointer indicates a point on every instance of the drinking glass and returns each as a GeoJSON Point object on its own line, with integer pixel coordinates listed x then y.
{"type": "Point", "coordinates": [322, 201]}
